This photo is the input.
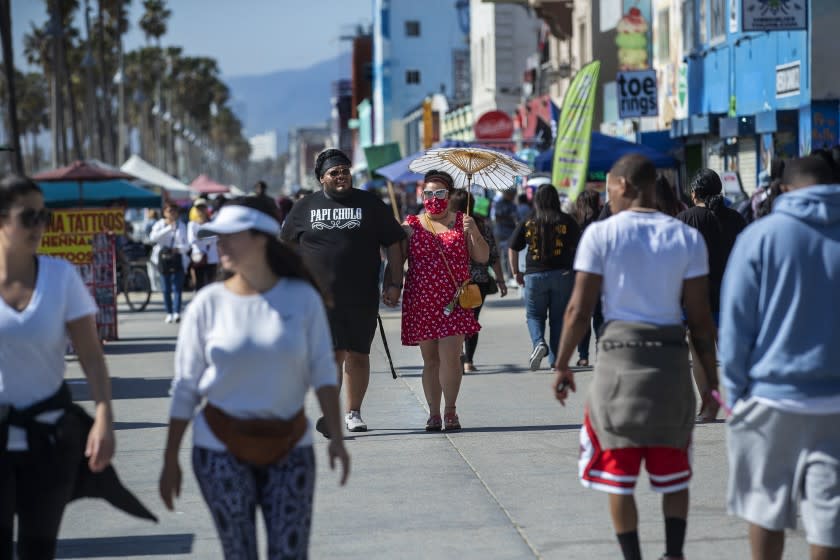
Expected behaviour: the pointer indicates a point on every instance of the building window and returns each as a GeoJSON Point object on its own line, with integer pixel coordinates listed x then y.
{"type": "Point", "coordinates": [663, 35]}
{"type": "Point", "coordinates": [412, 76]}
{"type": "Point", "coordinates": [583, 55]}
{"type": "Point", "coordinates": [702, 23]}
{"type": "Point", "coordinates": [718, 13]}
{"type": "Point", "coordinates": [412, 28]}
{"type": "Point", "coordinates": [688, 26]}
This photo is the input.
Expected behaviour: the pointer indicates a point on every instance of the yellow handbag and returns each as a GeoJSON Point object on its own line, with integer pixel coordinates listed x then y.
{"type": "Point", "coordinates": [470, 295]}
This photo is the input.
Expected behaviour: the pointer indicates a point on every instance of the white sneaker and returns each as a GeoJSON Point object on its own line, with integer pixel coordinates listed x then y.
{"type": "Point", "coordinates": [354, 422]}
{"type": "Point", "coordinates": [176, 318]}
{"type": "Point", "coordinates": [169, 318]}
{"type": "Point", "coordinates": [539, 352]}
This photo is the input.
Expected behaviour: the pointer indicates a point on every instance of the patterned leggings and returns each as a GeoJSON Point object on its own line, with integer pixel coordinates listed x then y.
{"type": "Point", "coordinates": [284, 490]}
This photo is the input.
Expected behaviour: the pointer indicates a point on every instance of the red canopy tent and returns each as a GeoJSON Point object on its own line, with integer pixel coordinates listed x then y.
{"type": "Point", "coordinates": [206, 185]}
{"type": "Point", "coordinates": [82, 171]}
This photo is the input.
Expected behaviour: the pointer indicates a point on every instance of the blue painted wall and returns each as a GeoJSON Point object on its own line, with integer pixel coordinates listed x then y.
{"type": "Point", "coordinates": [744, 65]}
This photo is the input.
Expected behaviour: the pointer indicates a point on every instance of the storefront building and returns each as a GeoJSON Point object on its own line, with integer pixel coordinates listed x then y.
{"type": "Point", "coordinates": [760, 83]}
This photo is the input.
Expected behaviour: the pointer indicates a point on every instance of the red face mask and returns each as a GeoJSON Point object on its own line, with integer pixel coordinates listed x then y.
{"type": "Point", "coordinates": [436, 205]}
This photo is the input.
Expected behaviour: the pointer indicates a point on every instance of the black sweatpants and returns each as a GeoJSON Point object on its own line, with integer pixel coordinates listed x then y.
{"type": "Point", "coordinates": [36, 489]}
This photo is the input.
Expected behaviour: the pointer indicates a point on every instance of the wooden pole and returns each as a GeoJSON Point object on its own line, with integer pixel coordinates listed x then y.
{"type": "Point", "coordinates": [393, 197]}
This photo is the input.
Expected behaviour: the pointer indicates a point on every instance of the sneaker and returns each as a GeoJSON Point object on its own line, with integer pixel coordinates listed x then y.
{"type": "Point", "coordinates": [539, 352]}
{"type": "Point", "coordinates": [321, 427]}
{"type": "Point", "coordinates": [168, 318]}
{"type": "Point", "coordinates": [354, 422]}
{"type": "Point", "coordinates": [176, 318]}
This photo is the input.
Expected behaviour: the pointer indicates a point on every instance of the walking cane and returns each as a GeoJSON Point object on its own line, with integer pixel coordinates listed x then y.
{"type": "Point", "coordinates": [385, 344]}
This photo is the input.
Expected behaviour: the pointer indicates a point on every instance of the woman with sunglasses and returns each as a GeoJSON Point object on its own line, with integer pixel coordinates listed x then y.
{"type": "Point", "coordinates": [441, 244]}
{"type": "Point", "coordinates": [42, 302]}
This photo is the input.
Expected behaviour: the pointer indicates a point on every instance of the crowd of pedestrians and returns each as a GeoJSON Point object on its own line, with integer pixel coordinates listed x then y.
{"type": "Point", "coordinates": [302, 282]}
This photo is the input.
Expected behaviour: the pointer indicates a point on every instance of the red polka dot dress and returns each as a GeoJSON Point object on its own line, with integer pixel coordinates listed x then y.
{"type": "Point", "coordinates": [429, 288]}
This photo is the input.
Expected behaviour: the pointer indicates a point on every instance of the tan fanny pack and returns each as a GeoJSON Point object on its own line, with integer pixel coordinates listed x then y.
{"type": "Point", "coordinates": [258, 441]}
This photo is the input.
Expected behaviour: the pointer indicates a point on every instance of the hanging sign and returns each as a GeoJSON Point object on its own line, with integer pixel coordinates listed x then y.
{"type": "Point", "coordinates": [778, 15]}
{"type": "Point", "coordinates": [637, 95]}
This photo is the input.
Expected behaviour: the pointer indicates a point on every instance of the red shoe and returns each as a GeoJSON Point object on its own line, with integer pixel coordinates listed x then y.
{"type": "Point", "coordinates": [451, 422]}
{"type": "Point", "coordinates": [434, 424]}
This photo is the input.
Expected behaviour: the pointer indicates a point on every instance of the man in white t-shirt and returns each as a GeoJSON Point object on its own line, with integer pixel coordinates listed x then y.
{"type": "Point", "coordinates": [647, 267]}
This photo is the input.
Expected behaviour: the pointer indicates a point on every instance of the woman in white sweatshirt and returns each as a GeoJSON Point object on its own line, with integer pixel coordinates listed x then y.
{"type": "Point", "coordinates": [169, 254]}
{"type": "Point", "coordinates": [251, 347]}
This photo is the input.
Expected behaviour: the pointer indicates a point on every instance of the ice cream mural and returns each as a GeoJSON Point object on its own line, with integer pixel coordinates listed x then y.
{"type": "Point", "coordinates": [632, 37]}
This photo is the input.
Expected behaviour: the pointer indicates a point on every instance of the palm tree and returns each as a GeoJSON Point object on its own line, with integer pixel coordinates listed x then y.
{"type": "Point", "coordinates": [38, 50]}
{"type": "Point", "coordinates": [63, 32]}
{"type": "Point", "coordinates": [9, 74]}
{"type": "Point", "coordinates": [33, 111]}
{"type": "Point", "coordinates": [111, 24]}
{"type": "Point", "coordinates": [153, 22]}
{"type": "Point", "coordinates": [94, 118]}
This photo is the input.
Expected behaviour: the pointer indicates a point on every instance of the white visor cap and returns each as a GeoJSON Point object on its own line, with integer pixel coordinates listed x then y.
{"type": "Point", "coordinates": [234, 218]}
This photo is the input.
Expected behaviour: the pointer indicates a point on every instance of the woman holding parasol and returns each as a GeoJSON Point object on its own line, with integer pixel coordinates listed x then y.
{"type": "Point", "coordinates": [440, 246]}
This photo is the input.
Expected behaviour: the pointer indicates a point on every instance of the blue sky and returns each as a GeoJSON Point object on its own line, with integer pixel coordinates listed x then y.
{"type": "Point", "coordinates": [245, 36]}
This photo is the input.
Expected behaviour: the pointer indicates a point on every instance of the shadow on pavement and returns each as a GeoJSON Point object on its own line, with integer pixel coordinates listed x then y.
{"type": "Point", "coordinates": [379, 432]}
{"type": "Point", "coordinates": [128, 388]}
{"type": "Point", "coordinates": [143, 545]}
{"type": "Point", "coordinates": [507, 301]}
{"type": "Point", "coordinates": [120, 347]}
{"type": "Point", "coordinates": [138, 425]}
{"type": "Point", "coordinates": [147, 339]}
{"type": "Point", "coordinates": [495, 369]}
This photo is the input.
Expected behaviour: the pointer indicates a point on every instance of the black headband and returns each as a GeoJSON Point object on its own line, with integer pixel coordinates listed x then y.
{"type": "Point", "coordinates": [440, 176]}
{"type": "Point", "coordinates": [332, 161]}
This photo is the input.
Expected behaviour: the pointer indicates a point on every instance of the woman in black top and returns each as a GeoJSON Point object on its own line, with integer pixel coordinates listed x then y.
{"type": "Point", "coordinates": [551, 237]}
{"type": "Point", "coordinates": [462, 201]}
{"type": "Point", "coordinates": [719, 226]}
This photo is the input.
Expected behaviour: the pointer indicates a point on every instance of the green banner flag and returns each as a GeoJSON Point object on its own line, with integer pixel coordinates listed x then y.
{"type": "Point", "coordinates": [574, 132]}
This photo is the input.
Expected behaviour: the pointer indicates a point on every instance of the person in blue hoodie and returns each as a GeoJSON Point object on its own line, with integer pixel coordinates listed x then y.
{"type": "Point", "coordinates": [780, 355]}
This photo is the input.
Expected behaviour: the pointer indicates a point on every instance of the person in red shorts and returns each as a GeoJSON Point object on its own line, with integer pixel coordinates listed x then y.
{"type": "Point", "coordinates": [647, 267]}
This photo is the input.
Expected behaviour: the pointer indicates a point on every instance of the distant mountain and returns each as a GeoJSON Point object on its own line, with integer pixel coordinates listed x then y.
{"type": "Point", "coordinates": [287, 98]}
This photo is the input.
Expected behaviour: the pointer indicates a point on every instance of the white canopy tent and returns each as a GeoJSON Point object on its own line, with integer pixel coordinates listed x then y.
{"type": "Point", "coordinates": [151, 175]}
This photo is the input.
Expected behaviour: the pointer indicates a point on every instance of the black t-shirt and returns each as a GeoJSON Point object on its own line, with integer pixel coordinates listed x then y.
{"type": "Point", "coordinates": [529, 233]}
{"type": "Point", "coordinates": [339, 240]}
{"type": "Point", "coordinates": [719, 232]}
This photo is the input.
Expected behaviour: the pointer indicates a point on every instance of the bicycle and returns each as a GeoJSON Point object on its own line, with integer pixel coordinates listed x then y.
{"type": "Point", "coordinates": [132, 279]}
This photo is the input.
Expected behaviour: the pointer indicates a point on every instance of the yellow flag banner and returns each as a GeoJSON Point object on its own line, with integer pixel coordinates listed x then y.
{"type": "Point", "coordinates": [574, 132]}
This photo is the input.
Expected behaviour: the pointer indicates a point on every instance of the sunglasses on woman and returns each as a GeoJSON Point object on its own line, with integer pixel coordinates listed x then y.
{"type": "Point", "coordinates": [439, 194]}
{"type": "Point", "coordinates": [32, 218]}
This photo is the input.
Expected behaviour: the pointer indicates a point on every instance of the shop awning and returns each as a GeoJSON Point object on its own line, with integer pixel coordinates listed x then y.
{"type": "Point", "coordinates": [85, 194]}
{"type": "Point", "coordinates": [606, 150]}
{"type": "Point", "coordinates": [152, 176]}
